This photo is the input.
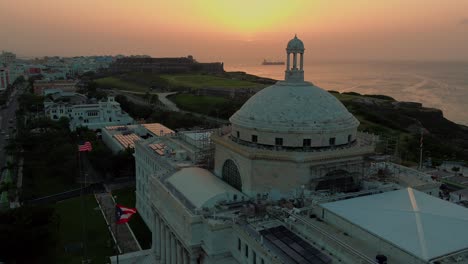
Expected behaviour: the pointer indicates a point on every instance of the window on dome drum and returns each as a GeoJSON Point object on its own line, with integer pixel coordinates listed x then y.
{"type": "Point", "coordinates": [254, 138]}
{"type": "Point", "coordinates": [279, 141]}
{"type": "Point", "coordinates": [254, 257]}
{"type": "Point", "coordinates": [349, 138]}
{"type": "Point", "coordinates": [239, 244]}
{"type": "Point", "coordinates": [332, 141]}
{"type": "Point", "coordinates": [307, 142]}
{"type": "Point", "coordinates": [231, 174]}
{"type": "Point", "coordinates": [246, 251]}
{"type": "Point", "coordinates": [237, 134]}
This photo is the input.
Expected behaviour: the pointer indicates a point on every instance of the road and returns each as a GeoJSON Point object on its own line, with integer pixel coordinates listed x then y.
{"type": "Point", "coordinates": [7, 126]}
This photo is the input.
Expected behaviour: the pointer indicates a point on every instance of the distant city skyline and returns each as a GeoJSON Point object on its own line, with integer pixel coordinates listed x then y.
{"type": "Point", "coordinates": [237, 31]}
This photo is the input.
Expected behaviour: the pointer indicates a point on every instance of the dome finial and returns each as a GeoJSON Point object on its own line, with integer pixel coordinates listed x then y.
{"type": "Point", "coordinates": [295, 68]}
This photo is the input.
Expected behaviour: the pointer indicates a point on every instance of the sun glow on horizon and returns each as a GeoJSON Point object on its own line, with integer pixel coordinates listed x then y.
{"type": "Point", "coordinates": [250, 16]}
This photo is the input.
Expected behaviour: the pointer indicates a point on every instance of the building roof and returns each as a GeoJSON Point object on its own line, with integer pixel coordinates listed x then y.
{"type": "Point", "coordinates": [202, 188]}
{"type": "Point", "coordinates": [158, 129]}
{"type": "Point", "coordinates": [128, 140]}
{"type": "Point", "coordinates": [422, 225]}
{"type": "Point", "coordinates": [294, 107]}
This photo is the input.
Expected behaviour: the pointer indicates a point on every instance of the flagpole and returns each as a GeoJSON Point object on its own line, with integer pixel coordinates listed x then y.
{"type": "Point", "coordinates": [83, 220]}
{"type": "Point", "coordinates": [421, 150]}
{"type": "Point", "coordinates": [116, 229]}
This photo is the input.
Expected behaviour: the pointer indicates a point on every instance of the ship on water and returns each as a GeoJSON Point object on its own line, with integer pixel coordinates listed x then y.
{"type": "Point", "coordinates": [266, 62]}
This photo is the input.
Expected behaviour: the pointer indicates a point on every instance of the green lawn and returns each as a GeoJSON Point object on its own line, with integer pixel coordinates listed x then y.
{"type": "Point", "coordinates": [200, 80]}
{"type": "Point", "coordinates": [208, 105]}
{"type": "Point", "coordinates": [116, 83]}
{"type": "Point", "coordinates": [126, 197]}
{"type": "Point", "coordinates": [99, 240]}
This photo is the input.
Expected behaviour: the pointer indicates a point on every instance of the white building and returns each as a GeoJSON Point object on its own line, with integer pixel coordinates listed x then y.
{"type": "Point", "coordinates": [291, 147]}
{"type": "Point", "coordinates": [92, 115]}
{"type": "Point", "coordinates": [7, 58]}
{"type": "Point", "coordinates": [4, 79]}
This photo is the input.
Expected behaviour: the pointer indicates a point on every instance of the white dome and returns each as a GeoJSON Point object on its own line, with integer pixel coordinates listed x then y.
{"type": "Point", "coordinates": [295, 111]}
{"type": "Point", "coordinates": [295, 44]}
{"type": "Point", "coordinates": [294, 107]}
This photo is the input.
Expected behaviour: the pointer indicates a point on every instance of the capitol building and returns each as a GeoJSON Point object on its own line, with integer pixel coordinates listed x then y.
{"type": "Point", "coordinates": [291, 180]}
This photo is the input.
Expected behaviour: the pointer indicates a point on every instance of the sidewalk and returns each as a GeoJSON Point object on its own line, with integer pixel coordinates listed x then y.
{"type": "Point", "coordinates": [121, 233]}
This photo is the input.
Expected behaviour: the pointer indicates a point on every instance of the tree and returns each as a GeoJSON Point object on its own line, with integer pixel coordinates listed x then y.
{"type": "Point", "coordinates": [28, 234]}
{"type": "Point", "coordinates": [456, 169]}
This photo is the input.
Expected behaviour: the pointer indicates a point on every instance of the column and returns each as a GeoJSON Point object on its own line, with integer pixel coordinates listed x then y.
{"type": "Point", "coordinates": [295, 61]}
{"type": "Point", "coordinates": [173, 250]}
{"type": "Point", "coordinates": [179, 253]}
{"type": "Point", "coordinates": [302, 61]}
{"type": "Point", "coordinates": [168, 246]}
{"type": "Point", "coordinates": [156, 241]}
{"type": "Point", "coordinates": [185, 256]}
{"type": "Point", "coordinates": [161, 237]}
{"type": "Point", "coordinates": [288, 63]}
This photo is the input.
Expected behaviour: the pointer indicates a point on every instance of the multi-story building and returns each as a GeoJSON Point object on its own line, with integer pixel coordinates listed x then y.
{"type": "Point", "coordinates": [97, 115]}
{"type": "Point", "coordinates": [288, 182]}
{"type": "Point", "coordinates": [40, 86]}
{"type": "Point", "coordinates": [7, 58]}
{"type": "Point", "coordinates": [16, 70]}
{"type": "Point", "coordinates": [4, 78]}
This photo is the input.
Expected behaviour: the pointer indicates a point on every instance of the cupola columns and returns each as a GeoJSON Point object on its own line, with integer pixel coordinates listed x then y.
{"type": "Point", "coordinates": [294, 73]}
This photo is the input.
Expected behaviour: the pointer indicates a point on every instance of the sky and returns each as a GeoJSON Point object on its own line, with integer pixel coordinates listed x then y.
{"type": "Point", "coordinates": [237, 31]}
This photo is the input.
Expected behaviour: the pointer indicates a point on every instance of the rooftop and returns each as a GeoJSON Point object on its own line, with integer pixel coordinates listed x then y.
{"type": "Point", "coordinates": [202, 188]}
{"type": "Point", "coordinates": [422, 225]}
{"type": "Point", "coordinates": [158, 129]}
{"type": "Point", "coordinates": [128, 140]}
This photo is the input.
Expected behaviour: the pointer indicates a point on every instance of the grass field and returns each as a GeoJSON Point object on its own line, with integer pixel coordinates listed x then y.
{"type": "Point", "coordinates": [199, 104]}
{"type": "Point", "coordinates": [98, 237]}
{"type": "Point", "coordinates": [116, 83]}
{"type": "Point", "coordinates": [126, 197]}
{"type": "Point", "coordinates": [199, 81]}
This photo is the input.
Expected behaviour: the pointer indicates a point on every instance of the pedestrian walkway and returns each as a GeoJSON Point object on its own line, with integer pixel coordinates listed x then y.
{"type": "Point", "coordinates": [122, 233]}
{"type": "Point", "coordinates": [168, 103]}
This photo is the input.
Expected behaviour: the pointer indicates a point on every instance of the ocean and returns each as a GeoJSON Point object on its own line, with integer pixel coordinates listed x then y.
{"type": "Point", "coordinates": [442, 85]}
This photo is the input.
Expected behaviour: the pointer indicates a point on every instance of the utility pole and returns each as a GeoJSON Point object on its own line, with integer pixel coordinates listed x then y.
{"type": "Point", "coordinates": [421, 150]}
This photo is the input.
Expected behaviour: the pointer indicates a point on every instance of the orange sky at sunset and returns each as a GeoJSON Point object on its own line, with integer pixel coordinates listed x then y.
{"type": "Point", "coordinates": [237, 31]}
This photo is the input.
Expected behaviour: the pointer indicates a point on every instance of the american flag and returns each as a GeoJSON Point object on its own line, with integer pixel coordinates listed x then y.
{"type": "Point", "coordinates": [123, 213]}
{"type": "Point", "coordinates": [86, 146]}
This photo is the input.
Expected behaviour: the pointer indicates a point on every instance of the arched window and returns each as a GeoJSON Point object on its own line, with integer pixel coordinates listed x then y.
{"type": "Point", "coordinates": [231, 174]}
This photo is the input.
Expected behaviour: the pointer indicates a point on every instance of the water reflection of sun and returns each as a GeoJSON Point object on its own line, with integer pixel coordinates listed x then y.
{"type": "Point", "coordinates": [247, 16]}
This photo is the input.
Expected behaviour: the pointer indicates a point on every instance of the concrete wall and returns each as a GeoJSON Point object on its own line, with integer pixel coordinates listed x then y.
{"type": "Point", "coordinates": [110, 142]}
{"type": "Point", "coordinates": [318, 139]}
{"type": "Point", "coordinates": [278, 178]}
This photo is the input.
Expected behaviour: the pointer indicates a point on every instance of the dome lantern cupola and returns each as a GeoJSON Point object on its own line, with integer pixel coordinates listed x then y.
{"type": "Point", "coordinates": [293, 113]}
{"type": "Point", "coordinates": [295, 73]}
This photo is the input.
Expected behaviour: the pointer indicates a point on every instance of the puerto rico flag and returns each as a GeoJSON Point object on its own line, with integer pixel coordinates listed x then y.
{"type": "Point", "coordinates": [86, 146]}
{"type": "Point", "coordinates": [123, 213]}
